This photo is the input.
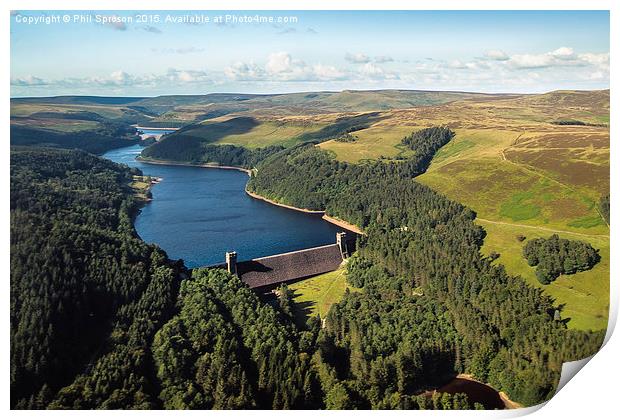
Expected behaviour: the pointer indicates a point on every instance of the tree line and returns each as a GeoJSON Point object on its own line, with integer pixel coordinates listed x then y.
{"type": "Point", "coordinates": [106, 136]}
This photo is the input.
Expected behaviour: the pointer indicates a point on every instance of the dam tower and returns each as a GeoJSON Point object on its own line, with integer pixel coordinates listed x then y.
{"type": "Point", "coordinates": [231, 262]}
{"type": "Point", "coordinates": [341, 241]}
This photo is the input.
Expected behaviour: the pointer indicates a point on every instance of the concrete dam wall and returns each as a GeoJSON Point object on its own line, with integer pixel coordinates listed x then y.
{"type": "Point", "coordinates": [266, 272]}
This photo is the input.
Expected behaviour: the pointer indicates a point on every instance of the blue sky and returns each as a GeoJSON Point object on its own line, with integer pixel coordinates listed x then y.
{"type": "Point", "coordinates": [152, 53]}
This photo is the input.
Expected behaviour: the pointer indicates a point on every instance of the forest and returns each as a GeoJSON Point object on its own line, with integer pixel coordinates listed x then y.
{"type": "Point", "coordinates": [418, 238]}
{"type": "Point", "coordinates": [109, 135]}
{"type": "Point", "coordinates": [555, 256]}
{"type": "Point", "coordinates": [87, 295]}
{"type": "Point", "coordinates": [191, 150]}
{"type": "Point", "coordinates": [149, 336]}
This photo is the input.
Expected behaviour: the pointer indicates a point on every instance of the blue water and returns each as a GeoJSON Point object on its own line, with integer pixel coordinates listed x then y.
{"type": "Point", "coordinates": [198, 214]}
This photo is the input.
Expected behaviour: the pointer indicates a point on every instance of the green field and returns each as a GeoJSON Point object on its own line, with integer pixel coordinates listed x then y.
{"type": "Point", "coordinates": [314, 296]}
{"type": "Point", "coordinates": [372, 143]}
{"type": "Point", "coordinates": [535, 184]}
{"type": "Point", "coordinates": [584, 296]}
{"type": "Point", "coordinates": [269, 133]}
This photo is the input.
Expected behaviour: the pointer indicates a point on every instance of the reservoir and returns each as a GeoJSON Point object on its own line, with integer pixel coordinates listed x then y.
{"type": "Point", "coordinates": [197, 214]}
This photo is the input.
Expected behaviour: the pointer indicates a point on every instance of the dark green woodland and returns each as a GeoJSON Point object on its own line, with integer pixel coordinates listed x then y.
{"type": "Point", "coordinates": [99, 319]}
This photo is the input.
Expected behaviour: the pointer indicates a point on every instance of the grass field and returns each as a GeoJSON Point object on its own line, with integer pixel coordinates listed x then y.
{"type": "Point", "coordinates": [317, 294]}
{"type": "Point", "coordinates": [269, 133]}
{"type": "Point", "coordinates": [372, 143]}
{"type": "Point", "coordinates": [585, 295]}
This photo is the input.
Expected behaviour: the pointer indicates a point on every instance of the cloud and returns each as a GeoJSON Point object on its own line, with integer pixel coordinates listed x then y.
{"type": "Point", "coordinates": [244, 71]}
{"type": "Point", "coordinates": [152, 29]}
{"type": "Point", "coordinates": [561, 68]}
{"type": "Point", "coordinates": [562, 57]}
{"type": "Point", "coordinates": [374, 72]}
{"type": "Point", "coordinates": [181, 50]}
{"type": "Point", "coordinates": [115, 22]}
{"type": "Point", "coordinates": [323, 72]}
{"type": "Point", "coordinates": [496, 55]}
{"type": "Point", "coordinates": [28, 81]}
{"type": "Point", "coordinates": [287, 31]}
{"type": "Point", "coordinates": [361, 58]}
{"type": "Point", "coordinates": [467, 65]}
{"type": "Point", "coordinates": [564, 53]}
{"type": "Point", "coordinates": [357, 58]}
{"type": "Point", "coordinates": [311, 31]}
{"type": "Point", "coordinates": [121, 79]}
{"type": "Point", "coordinates": [188, 76]}
{"type": "Point", "coordinates": [383, 59]}
{"type": "Point", "coordinates": [282, 67]}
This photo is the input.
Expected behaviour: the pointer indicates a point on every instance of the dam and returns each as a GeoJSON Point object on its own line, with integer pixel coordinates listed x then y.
{"type": "Point", "coordinates": [266, 273]}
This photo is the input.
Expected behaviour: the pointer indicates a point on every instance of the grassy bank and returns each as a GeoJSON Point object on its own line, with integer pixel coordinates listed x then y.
{"type": "Point", "coordinates": [314, 296]}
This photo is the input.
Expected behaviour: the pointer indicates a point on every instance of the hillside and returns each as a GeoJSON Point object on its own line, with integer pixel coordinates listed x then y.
{"type": "Point", "coordinates": [522, 174]}
{"type": "Point", "coordinates": [447, 186]}
{"type": "Point", "coordinates": [510, 161]}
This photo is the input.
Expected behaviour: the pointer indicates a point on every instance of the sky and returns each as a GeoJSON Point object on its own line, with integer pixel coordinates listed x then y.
{"type": "Point", "coordinates": [150, 53]}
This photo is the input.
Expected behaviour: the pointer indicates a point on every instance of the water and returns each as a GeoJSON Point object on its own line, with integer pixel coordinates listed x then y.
{"type": "Point", "coordinates": [198, 214]}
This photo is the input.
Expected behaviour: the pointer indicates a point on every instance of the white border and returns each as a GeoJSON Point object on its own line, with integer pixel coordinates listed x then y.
{"type": "Point", "coordinates": [591, 395]}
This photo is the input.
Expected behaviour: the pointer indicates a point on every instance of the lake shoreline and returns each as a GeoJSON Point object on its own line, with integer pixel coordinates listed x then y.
{"type": "Point", "coordinates": [156, 128]}
{"type": "Point", "coordinates": [195, 165]}
{"type": "Point", "coordinates": [330, 219]}
{"type": "Point", "coordinates": [275, 203]}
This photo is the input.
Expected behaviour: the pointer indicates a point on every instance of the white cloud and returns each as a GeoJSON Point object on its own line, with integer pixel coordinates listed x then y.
{"type": "Point", "coordinates": [561, 57]}
{"type": "Point", "coordinates": [244, 71]}
{"type": "Point", "coordinates": [188, 76]}
{"type": "Point", "coordinates": [29, 81]}
{"type": "Point", "coordinates": [496, 55]}
{"type": "Point", "coordinates": [563, 53]}
{"type": "Point", "coordinates": [180, 50]}
{"type": "Point", "coordinates": [383, 59]}
{"type": "Point", "coordinates": [323, 72]}
{"type": "Point", "coordinates": [152, 29]}
{"type": "Point", "coordinates": [121, 79]}
{"type": "Point", "coordinates": [280, 71]}
{"type": "Point", "coordinates": [115, 22]}
{"type": "Point", "coordinates": [358, 58]}
{"type": "Point", "coordinates": [287, 31]}
{"type": "Point", "coordinates": [372, 71]}
{"type": "Point", "coordinates": [282, 67]}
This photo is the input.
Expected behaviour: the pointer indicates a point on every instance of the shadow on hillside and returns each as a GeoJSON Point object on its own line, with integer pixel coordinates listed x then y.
{"type": "Point", "coordinates": [342, 126]}
{"type": "Point", "coordinates": [215, 131]}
